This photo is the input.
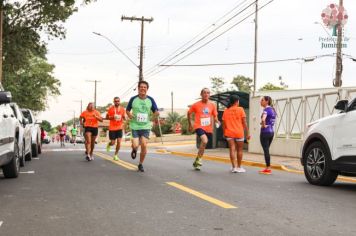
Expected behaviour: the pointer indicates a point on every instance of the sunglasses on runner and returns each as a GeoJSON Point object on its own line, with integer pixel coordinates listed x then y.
{"type": "Point", "coordinates": [117, 101]}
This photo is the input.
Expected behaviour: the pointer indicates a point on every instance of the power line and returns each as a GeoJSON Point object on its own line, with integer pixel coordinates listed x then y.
{"type": "Point", "coordinates": [249, 62]}
{"type": "Point", "coordinates": [196, 36]}
{"type": "Point", "coordinates": [234, 25]}
{"type": "Point", "coordinates": [207, 35]}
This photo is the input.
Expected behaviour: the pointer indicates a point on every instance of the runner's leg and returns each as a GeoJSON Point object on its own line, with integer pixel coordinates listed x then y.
{"type": "Point", "coordinates": [87, 136]}
{"type": "Point", "coordinates": [143, 152]}
{"type": "Point", "coordinates": [118, 145]}
{"type": "Point", "coordinates": [92, 145]}
{"type": "Point", "coordinates": [232, 149]}
{"type": "Point", "coordinates": [203, 143]}
{"type": "Point", "coordinates": [239, 149]}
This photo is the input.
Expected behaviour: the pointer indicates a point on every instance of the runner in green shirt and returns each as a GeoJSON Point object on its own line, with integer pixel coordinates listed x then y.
{"type": "Point", "coordinates": [139, 111]}
{"type": "Point", "coordinates": [74, 132]}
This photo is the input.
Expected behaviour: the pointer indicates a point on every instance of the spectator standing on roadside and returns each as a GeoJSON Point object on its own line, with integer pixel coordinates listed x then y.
{"type": "Point", "coordinates": [268, 118]}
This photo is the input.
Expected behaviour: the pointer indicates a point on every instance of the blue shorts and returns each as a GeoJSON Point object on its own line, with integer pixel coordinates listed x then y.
{"type": "Point", "coordinates": [141, 133]}
{"type": "Point", "coordinates": [201, 132]}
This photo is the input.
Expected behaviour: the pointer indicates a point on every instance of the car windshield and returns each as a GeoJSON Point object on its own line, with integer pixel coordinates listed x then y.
{"type": "Point", "coordinates": [27, 115]}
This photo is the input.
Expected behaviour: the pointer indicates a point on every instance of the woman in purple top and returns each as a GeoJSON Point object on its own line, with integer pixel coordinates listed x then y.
{"type": "Point", "coordinates": [267, 131]}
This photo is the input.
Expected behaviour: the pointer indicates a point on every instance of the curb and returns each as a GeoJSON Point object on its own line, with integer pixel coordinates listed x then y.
{"type": "Point", "coordinates": [227, 160]}
{"type": "Point", "coordinates": [247, 163]}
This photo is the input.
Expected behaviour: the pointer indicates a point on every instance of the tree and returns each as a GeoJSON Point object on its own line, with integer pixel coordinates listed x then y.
{"type": "Point", "coordinates": [244, 84]}
{"type": "Point", "coordinates": [173, 117]}
{"type": "Point", "coordinates": [24, 22]}
{"type": "Point", "coordinates": [46, 125]}
{"type": "Point", "coordinates": [31, 85]}
{"type": "Point", "coordinates": [217, 84]}
{"type": "Point", "coordinates": [270, 86]}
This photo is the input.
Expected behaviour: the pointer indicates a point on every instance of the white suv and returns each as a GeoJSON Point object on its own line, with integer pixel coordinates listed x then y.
{"type": "Point", "coordinates": [9, 135]}
{"type": "Point", "coordinates": [329, 146]}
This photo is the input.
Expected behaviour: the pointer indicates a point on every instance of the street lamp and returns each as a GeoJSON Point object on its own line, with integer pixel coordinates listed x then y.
{"type": "Point", "coordinates": [112, 43]}
{"type": "Point", "coordinates": [303, 60]}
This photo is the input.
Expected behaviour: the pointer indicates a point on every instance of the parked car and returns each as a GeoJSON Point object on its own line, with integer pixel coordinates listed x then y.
{"type": "Point", "coordinates": [329, 146]}
{"type": "Point", "coordinates": [24, 135]}
{"type": "Point", "coordinates": [79, 139]}
{"type": "Point", "coordinates": [35, 131]}
{"type": "Point", "coordinates": [9, 144]}
{"type": "Point", "coordinates": [46, 140]}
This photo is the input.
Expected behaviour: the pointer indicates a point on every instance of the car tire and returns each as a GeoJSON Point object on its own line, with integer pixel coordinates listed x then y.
{"type": "Point", "coordinates": [12, 169]}
{"type": "Point", "coordinates": [28, 157]}
{"type": "Point", "coordinates": [23, 154]}
{"type": "Point", "coordinates": [317, 165]}
{"type": "Point", "coordinates": [35, 150]}
{"type": "Point", "coordinates": [39, 147]}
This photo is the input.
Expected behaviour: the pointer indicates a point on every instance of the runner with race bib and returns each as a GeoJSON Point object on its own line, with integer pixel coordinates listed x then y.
{"type": "Point", "coordinates": [205, 115]}
{"type": "Point", "coordinates": [139, 111]}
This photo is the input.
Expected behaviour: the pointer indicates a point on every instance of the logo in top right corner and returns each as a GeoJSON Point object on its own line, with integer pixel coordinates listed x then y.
{"type": "Point", "coordinates": [334, 17]}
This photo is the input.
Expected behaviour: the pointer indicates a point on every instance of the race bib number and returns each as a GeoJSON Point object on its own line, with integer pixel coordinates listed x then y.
{"type": "Point", "coordinates": [205, 121]}
{"type": "Point", "coordinates": [117, 117]}
{"type": "Point", "coordinates": [61, 132]}
{"type": "Point", "coordinates": [142, 117]}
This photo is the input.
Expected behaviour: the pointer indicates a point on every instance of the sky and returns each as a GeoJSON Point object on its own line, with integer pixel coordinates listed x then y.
{"type": "Point", "coordinates": [286, 30]}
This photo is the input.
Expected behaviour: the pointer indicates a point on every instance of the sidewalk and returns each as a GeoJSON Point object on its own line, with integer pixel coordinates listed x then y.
{"type": "Point", "coordinates": [222, 155]}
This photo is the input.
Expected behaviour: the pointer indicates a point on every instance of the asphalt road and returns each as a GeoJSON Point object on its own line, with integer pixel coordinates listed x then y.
{"type": "Point", "coordinates": [62, 194]}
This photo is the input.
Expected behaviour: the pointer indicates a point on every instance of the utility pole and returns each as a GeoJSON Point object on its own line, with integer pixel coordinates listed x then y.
{"type": "Point", "coordinates": [1, 36]}
{"type": "Point", "coordinates": [142, 19]}
{"type": "Point", "coordinates": [255, 54]}
{"type": "Point", "coordinates": [172, 101]}
{"type": "Point", "coordinates": [338, 82]}
{"type": "Point", "coordinates": [95, 82]}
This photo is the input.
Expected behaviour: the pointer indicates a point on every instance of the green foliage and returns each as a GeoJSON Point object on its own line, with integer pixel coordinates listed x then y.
{"type": "Point", "coordinates": [24, 51]}
{"type": "Point", "coordinates": [46, 125]}
{"type": "Point", "coordinates": [185, 127]}
{"type": "Point", "coordinates": [217, 84]}
{"type": "Point", "coordinates": [244, 84]}
{"type": "Point", "coordinates": [70, 122]}
{"type": "Point", "coordinates": [166, 129]}
{"type": "Point", "coordinates": [31, 85]}
{"type": "Point", "coordinates": [270, 86]}
{"type": "Point", "coordinates": [173, 118]}
{"type": "Point", "coordinates": [103, 109]}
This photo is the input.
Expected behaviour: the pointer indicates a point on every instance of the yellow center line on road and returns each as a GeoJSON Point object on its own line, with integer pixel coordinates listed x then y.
{"type": "Point", "coordinates": [124, 164]}
{"type": "Point", "coordinates": [202, 196]}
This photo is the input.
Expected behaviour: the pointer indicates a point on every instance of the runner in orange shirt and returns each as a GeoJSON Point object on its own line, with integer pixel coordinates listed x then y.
{"type": "Point", "coordinates": [116, 115]}
{"type": "Point", "coordinates": [234, 124]}
{"type": "Point", "coordinates": [205, 115]}
{"type": "Point", "coordinates": [89, 118]}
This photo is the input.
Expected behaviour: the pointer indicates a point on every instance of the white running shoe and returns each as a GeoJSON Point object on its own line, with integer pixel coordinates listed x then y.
{"type": "Point", "coordinates": [240, 170]}
{"type": "Point", "coordinates": [233, 170]}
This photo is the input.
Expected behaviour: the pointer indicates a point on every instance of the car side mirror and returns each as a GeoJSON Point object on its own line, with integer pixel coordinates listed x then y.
{"type": "Point", "coordinates": [25, 121]}
{"type": "Point", "coordinates": [341, 105]}
{"type": "Point", "coordinates": [5, 97]}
